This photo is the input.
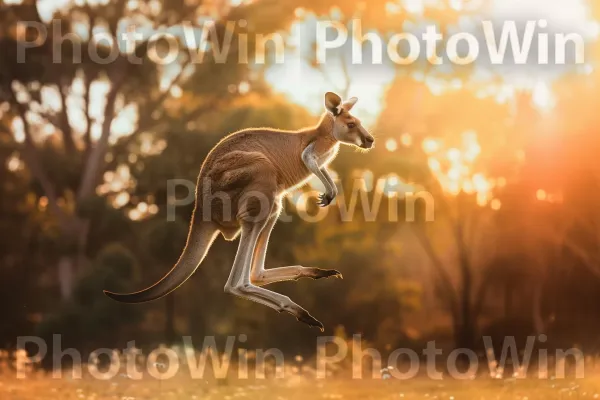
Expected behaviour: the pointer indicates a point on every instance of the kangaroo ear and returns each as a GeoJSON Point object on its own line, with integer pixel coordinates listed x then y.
{"type": "Point", "coordinates": [348, 104]}
{"type": "Point", "coordinates": [332, 103]}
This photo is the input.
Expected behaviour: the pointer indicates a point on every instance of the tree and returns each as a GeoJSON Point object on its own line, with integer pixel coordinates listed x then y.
{"type": "Point", "coordinates": [441, 153]}
{"type": "Point", "coordinates": [53, 108]}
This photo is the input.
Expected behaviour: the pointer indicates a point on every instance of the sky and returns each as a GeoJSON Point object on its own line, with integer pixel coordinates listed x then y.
{"type": "Point", "coordinates": [305, 85]}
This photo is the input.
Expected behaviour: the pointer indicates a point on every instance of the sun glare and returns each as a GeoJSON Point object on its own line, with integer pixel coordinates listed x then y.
{"type": "Point", "coordinates": [391, 145]}
{"type": "Point", "coordinates": [307, 83]}
{"type": "Point", "coordinates": [454, 168]}
{"type": "Point", "coordinates": [566, 14]}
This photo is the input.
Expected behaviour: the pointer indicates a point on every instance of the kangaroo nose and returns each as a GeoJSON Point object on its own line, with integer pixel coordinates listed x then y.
{"type": "Point", "coordinates": [369, 139]}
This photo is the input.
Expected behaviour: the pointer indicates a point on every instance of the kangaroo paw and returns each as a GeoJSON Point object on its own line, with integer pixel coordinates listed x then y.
{"type": "Point", "coordinates": [326, 273]}
{"type": "Point", "coordinates": [308, 319]}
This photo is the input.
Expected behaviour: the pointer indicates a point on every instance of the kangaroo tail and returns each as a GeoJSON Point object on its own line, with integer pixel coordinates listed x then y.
{"type": "Point", "coordinates": [199, 240]}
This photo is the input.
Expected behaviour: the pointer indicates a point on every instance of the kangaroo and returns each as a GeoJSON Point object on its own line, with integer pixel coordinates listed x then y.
{"type": "Point", "coordinates": [239, 192]}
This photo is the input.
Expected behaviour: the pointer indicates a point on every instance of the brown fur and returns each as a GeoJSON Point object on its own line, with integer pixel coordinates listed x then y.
{"type": "Point", "coordinates": [259, 159]}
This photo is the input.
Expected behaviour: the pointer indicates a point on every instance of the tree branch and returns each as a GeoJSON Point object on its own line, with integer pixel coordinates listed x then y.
{"type": "Point", "coordinates": [481, 291]}
{"type": "Point", "coordinates": [32, 159]}
{"type": "Point", "coordinates": [591, 263]}
{"type": "Point", "coordinates": [65, 126]}
{"type": "Point", "coordinates": [154, 104]}
{"type": "Point", "coordinates": [96, 157]}
{"type": "Point", "coordinates": [4, 129]}
{"type": "Point", "coordinates": [87, 137]}
{"type": "Point", "coordinates": [210, 106]}
{"type": "Point", "coordinates": [438, 266]}
{"type": "Point", "coordinates": [347, 79]}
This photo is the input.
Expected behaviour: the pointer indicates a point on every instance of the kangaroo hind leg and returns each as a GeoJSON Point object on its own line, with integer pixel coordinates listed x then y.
{"type": "Point", "coordinates": [239, 279]}
{"type": "Point", "coordinates": [261, 276]}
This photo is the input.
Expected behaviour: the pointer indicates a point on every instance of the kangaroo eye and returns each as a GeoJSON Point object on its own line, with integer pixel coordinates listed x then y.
{"type": "Point", "coordinates": [351, 125]}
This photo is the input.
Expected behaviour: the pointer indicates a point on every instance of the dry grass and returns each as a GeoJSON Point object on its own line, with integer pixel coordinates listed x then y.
{"type": "Point", "coordinates": [295, 388]}
{"type": "Point", "coordinates": [298, 383]}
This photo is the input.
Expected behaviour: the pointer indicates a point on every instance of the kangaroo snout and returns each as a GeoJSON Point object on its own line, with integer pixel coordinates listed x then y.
{"type": "Point", "coordinates": [368, 142]}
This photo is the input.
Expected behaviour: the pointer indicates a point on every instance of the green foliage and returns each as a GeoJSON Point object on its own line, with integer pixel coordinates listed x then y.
{"type": "Point", "coordinates": [89, 316]}
{"type": "Point", "coordinates": [164, 239]}
{"type": "Point", "coordinates": [270, 112]}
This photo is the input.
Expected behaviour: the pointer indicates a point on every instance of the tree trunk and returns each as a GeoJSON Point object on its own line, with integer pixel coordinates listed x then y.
{"type": "Point", "coordinates": [508, 300]}
{"type": "Point", "coordinates": [465, 337]}
{"type": "Point", "coordinates": [466, 333]}
{"type": "Point", "coordinates": [71, 263]}
{"type": "Point", "coordinates": [538, 320]}
{"type": "Point", "coordinates": [66, 273]}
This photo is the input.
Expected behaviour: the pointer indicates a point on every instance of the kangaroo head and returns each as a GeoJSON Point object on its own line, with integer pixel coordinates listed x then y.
{"type": "Point", "coordinates": [347, 128]}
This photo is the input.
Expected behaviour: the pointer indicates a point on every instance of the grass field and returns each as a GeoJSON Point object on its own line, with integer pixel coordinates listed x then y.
{"type": "Point", "coordinates": [296, 388]}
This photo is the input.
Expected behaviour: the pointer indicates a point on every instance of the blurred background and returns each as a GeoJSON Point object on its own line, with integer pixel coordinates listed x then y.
{"type": "Point", "coordinates": [508, 155]}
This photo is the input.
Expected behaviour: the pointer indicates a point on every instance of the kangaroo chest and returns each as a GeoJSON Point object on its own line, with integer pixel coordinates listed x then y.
{"type": "Point", "coordinates": [326, 155]}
